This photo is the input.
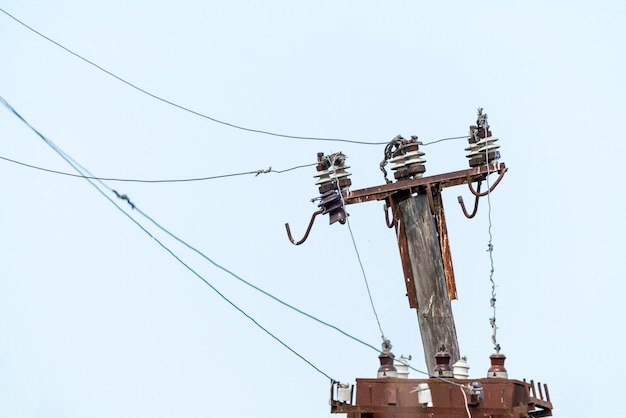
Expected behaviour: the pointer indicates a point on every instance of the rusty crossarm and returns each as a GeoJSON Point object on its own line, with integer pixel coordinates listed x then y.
{"type": "Point", "coordinates": [455, 178]}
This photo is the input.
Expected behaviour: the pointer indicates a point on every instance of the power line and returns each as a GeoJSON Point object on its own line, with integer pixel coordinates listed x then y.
{"type": "Point", "coordinates": [84, 173]}
{"type": "Point", "coordinates": [436, 141]}
{"type": "Point", "coordinates": [331, 162]}
{"type": "Point", "coordinates": [186, 109]}
{"type": "Point", "coordinates": [70, 161]}
{"type": "Point", "coordinates": [195, 112]}
{"type": "Point", "coordinates": [256, 173]}
{"type": "Point", "coordinates": [89, 177]}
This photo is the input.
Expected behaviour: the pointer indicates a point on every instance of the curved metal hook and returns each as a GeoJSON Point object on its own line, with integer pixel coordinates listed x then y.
{"type": "Point", "coordinates": [393, 222]}
{"type": "Point", "coordinates": [460, 199]}
{"type": "Point", "coordinates": [491, 189]}
{"type": "Point", "coordinates": [308, 230]}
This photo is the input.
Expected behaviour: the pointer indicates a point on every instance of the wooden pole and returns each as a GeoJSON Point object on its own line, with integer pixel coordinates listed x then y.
{"type": "Point", "coordinates": [434, 310]}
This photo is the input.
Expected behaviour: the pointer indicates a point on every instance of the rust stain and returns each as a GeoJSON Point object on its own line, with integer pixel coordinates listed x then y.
{"type": "Point", "coordinates": [444, 243]}
{"type": "Point", "coordinates": [403, 246]}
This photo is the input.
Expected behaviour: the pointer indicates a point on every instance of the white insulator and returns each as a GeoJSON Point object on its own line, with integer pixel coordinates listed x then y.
{"type": "Point", "coordinates": [398, 160]}
{"type": "Point", "coordinates": [414, 157]}
{"type": "Point", "coordinates": [482, 150]}
{"type": "Point", "coordinates": [460, 369]}
{"type": "Point", "coordinates": [402, 366]}
{"type": "Point", "coordinates": [327, 176]}
{"type": "Point", "coordinates": [324, 177]}
{"type": "Point", "coordinates": [489, 139]}
{"type": "Point", "coordinates": [472, 147]}
{"type": "Point", "coordinates": [340, 173]}
{"type": "Point", "coordinates": [424, 396]}
{"type": "Point", "coordinates": [343, 393]}
{"type": "Point", "coordinates": [480, 144]}
{"type": "Point", "coordinates": [483, 146]}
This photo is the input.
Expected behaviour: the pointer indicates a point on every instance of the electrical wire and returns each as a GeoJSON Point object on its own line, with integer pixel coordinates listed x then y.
{"type": "Point", "coordinates": [367, 286]}
{"type": "Point", "coordinates": [70, 161]}
{"type": "Point", "coordinates": [84, 173]}
{"type": "Point", "coordinates": [195, 112]}
{"type": "Point", "coordinates": [186, 109]}
{"type": "Point", "coordinates": [469, 415]}
{"type": "Point", "coordinates": [358, 256]}
{"type": "Point", "coordinates": [90, 176]}
{"type": "Point", "coordinates": [256, 173]}
{"type": "Point", "coordinates": [492, 301]}
{"type": "Point", "coordinates": [224, 269]}
{"type": "Point", "coordinates": [424, 144]}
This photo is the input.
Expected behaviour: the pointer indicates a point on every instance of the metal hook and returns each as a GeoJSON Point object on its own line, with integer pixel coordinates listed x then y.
{"type": "Point", "coordinates": [393, 222]}
{"type": "Point", "coordinates": [308, 230]}
{"type": "Point", "coordinates": [460, 199]}
{"type": "Point", "coordinates": [491, 189]}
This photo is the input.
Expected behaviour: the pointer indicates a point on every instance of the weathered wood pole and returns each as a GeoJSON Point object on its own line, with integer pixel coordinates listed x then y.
{"type": "Point", "coordinates": [434, 310]}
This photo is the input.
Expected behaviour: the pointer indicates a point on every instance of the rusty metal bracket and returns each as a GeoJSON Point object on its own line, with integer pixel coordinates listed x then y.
{"type": "Point", "coordinates": [491, 189]}
{"type": "Point", "coordinates": [393, 219]}
{"type": "Point", "coordinates": [308, 230]}
{"type": "Point", "coordinates": [476, 198]}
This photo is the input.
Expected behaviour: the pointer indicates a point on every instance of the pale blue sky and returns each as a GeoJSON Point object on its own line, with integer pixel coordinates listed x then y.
{"type": "Point", "coordinates": [96, 320]}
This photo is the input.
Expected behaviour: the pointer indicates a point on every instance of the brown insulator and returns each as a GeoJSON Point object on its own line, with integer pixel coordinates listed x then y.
{"type": "Point", "coordinates": [442, 366]}
{"type": "Point", "coordinates": [386, 369]}
{"type": "Point", "coordinates": [497, 370]}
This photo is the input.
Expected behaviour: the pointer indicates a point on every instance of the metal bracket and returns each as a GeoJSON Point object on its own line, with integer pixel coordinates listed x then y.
{"type": "Point", "coordinates": [308, 230]}
{"type": "Point", "coordinates": [478, 194]}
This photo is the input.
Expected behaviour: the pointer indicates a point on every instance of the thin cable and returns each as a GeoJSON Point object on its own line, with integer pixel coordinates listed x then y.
{"type": "Point", "coordinates": [483, 119]}
{"type": "Point", "coordinates": [194, 112]}
{"type": "Point", "coordinates": [444, 139]}
{"type": "Point", "coordinates": [469, 415]}
{"type": "Point", "coordinates": [90, 176]}
{"type": "Point", "coordinates": [200, 253]}
{"type": "Point", "coordinates": [186, 109]}
{"type": "Point", "coordinates": [356, 250]}
{"type": "Point", "coordinates": [69, 160]}
{"type": "Point", "coordinates": [367, 286]}
{"type": "Point", "coordinates": [256, 173]}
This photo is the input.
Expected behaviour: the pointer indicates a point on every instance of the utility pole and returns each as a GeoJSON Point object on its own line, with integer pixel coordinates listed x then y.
{"type": "Point", "coordinates": [419, 237]}
{"type": "Point", "coordinates": [417, 214]}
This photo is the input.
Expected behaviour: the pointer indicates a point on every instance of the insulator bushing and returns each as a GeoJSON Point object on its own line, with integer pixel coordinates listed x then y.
{"type": "Point", "coordinates": [407, 161]}
{"type": "Point", "coordinates": [442, 366]}
{"type": "Point", "coordinates": [497, 369]}
{"type": "Point", "coordinates": [332, 203]}
{"type": "Point", "coordinates": [331, 173]}
{"type": "Point", "coordinates": [483, 151]}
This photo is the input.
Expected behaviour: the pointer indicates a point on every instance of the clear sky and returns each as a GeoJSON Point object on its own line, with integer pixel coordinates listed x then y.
{"type": "Point", "coordinates": [98, 320]}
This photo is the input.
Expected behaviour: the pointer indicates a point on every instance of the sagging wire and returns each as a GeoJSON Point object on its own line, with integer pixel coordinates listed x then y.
{"type": "Point", "coordinates": [215, 264]}
{"type": "Point", "coordinates": [469, 415]}
{"type": "Point", "coordinates": [86, 173]}
{"type": "Point", "coordinates": [194, 112]}
{"type": "Point", "coordinates": [173, 104]}
{"type": "Point", "coordinates": [183, 180]}
{"type": "Point", "coordinates": [356, 249]}
{"type": "Point", "coordinates": [482, 121]}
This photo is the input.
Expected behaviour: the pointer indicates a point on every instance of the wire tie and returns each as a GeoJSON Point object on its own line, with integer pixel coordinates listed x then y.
{"type": "Point", "coordinates": [124, 197]}
{"type": "Point", "coordinates": [269, 170]}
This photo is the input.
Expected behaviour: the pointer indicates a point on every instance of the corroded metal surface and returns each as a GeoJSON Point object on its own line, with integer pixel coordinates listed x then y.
{"type": "Point", "coordinates": [454, 178]}
{"type": "Point", "coordinates": [394, 397]}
